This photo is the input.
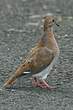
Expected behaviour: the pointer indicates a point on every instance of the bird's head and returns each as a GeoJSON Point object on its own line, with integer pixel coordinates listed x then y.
{"type": "Point", "coordinates": [49, 21]}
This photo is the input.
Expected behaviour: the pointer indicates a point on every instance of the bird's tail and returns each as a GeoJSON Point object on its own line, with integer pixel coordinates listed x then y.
{"type": "Point", "coordinates": [21, 70]}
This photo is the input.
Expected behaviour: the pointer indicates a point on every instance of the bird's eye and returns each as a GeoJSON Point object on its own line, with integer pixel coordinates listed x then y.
{"type": "Point", "coordinates": [53, 20]}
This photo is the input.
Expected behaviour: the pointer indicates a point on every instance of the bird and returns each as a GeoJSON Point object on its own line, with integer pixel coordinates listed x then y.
{"type": "Point", "coordinates": [40, 59]}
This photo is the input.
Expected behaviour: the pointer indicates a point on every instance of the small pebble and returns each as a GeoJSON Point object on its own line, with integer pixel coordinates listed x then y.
{"type": "Point", "coordinates": [13, 90]}
{"type": "Point", "coordinates": [66, 35]}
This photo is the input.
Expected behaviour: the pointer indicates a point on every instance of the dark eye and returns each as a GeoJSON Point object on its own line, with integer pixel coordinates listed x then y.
{"type": "Point", "coordinates": [53, 20]}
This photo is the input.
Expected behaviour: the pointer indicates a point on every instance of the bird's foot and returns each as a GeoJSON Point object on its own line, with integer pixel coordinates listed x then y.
{"type": "Point", "coordinates": [42, 84]}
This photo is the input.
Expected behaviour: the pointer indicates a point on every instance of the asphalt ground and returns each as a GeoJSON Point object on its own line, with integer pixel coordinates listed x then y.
{"type": "Point", "coordinates": [20, 28]}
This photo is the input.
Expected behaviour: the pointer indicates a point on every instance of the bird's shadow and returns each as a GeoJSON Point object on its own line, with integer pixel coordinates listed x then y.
{"type": "Point", "coordinates": [25, 88]}
{"type": "Point", "coordinates": [29, 88]}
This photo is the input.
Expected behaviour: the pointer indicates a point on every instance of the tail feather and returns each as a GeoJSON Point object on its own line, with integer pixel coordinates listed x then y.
{"type": "Point", "coordinates": [22, 70]}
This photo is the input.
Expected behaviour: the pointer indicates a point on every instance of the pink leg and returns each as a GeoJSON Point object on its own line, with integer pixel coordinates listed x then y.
{"type": "Point", "coordinates": [34, 82]}
{"type": "Point", "coordinates": [42, 84]}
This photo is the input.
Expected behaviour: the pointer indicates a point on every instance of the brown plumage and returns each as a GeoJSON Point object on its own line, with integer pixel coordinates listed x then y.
{"type": "Point", "coordinates": [40, 59]}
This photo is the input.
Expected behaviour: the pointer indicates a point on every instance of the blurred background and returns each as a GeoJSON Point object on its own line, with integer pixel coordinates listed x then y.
{"type": "Point", "coordinates": [20, 28]}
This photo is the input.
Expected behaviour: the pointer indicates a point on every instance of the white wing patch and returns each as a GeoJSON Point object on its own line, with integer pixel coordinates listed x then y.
{"type": "Point", "coordinates": [26, 72]}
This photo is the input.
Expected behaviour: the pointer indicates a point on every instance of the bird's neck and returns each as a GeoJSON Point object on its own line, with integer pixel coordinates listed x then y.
{"type": "Point", "coordinates": [48, 30]}
{"type": "Point", "coordinates": [49, 34]}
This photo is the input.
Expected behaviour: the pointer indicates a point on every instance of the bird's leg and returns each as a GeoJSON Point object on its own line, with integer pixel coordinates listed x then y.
{"type": "Point", "coordinates": [41, 83]}
{"type": "Point", "coordinates": [34, 82]}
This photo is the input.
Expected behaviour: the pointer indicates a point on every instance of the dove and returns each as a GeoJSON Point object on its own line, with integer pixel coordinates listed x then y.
{"type": "Point", "coordinates": [40, 59]}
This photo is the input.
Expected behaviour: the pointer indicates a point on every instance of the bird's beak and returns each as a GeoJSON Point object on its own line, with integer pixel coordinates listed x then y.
{"type": "Point", "coordinates": [56, 23]}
